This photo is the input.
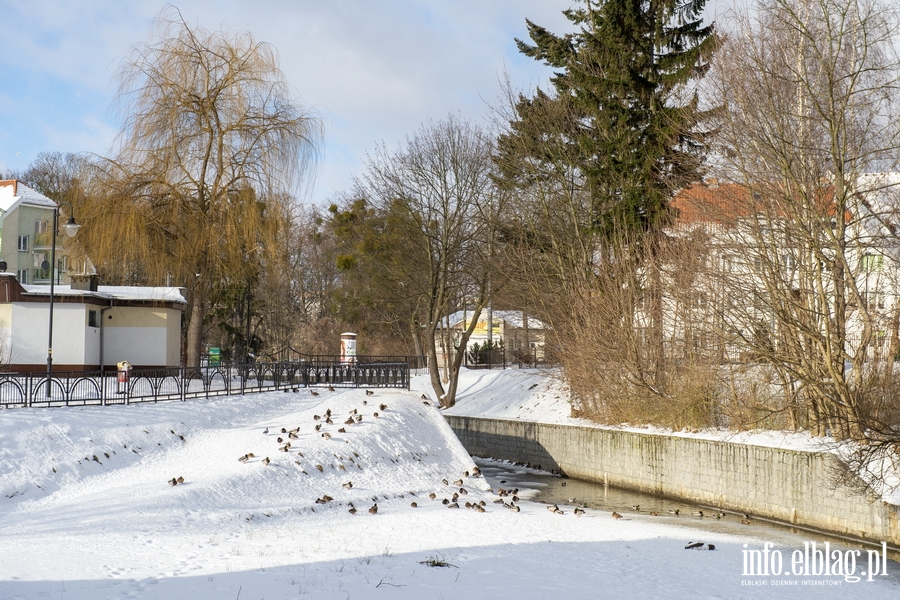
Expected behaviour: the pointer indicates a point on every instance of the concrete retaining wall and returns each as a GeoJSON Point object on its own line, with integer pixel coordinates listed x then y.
{"type": "Point", "coordinates": [787, 485]}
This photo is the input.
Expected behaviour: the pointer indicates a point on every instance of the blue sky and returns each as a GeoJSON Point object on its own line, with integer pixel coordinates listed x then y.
{"type": "Point", "coordinates": [374, 71]}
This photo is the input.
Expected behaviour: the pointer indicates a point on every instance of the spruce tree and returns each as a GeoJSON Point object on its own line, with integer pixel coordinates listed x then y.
{"type": "Point", "coordinates": [623, 113]}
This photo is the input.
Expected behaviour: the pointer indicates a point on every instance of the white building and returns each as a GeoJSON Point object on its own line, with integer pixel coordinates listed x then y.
{"type": "Point", "coordinates": [92, 325]}
{"type": "Point", "coordinates": [755, 255]}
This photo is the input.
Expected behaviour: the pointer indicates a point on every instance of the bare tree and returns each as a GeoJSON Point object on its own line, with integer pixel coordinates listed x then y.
{"type": "Point", "coordinates": [808, 89]}
{"type": "Point", "coordinates": [211, 149]}
{"type": "Point", "coordinates": [438, 197]}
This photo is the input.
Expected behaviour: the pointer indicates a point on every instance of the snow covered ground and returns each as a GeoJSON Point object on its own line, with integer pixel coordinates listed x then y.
{"type": "Point", "coordinates": [87, 511]}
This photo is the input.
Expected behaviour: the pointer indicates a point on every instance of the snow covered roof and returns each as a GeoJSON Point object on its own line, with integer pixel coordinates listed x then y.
{"type": "Point", "coordinates": [512, 318]}
{"type": "Point", "coordinates": [114, 292]}
{"type": "Point", "coordinates": [14, 192]}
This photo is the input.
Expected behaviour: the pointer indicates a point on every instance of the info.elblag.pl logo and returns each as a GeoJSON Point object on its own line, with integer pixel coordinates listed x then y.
{"type": "Point", "coordinates": [813, 560]}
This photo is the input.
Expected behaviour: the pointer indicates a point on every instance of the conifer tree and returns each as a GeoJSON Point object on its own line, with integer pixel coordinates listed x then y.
{"type": "Point", "coordinates": [622, 114]}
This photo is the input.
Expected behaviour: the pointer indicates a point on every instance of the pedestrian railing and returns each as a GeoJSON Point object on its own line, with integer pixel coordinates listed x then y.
{"type": "Point", "coordinates": [181, 383]}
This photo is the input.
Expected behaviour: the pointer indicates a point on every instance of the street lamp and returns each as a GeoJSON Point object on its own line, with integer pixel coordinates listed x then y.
{"type": "Point", "coordinates": [71, 228]}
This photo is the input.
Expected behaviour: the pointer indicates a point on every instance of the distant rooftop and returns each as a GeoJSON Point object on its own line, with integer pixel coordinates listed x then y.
{"type": "Point", "coordinates": [12, 191]}
{"type": "Point", "coordinates": [114, 292]}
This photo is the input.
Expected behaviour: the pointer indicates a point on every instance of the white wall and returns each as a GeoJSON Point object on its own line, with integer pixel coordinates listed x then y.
{"type": "Point", "coordinates": [137, 345]}
{"type": "Point", "coordinates": [28, 343]}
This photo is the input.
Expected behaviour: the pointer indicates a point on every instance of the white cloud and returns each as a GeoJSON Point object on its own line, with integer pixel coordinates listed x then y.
{"type": "Point", "coordinates": [375, 71]}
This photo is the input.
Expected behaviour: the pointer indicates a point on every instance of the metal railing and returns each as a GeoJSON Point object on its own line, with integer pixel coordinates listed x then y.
{"type": "Point", "coordinates": [180, 383]}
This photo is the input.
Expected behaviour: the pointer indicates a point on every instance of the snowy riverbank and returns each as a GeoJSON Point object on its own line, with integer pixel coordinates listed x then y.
{"type": "Point", "coordinates": [86, 512]}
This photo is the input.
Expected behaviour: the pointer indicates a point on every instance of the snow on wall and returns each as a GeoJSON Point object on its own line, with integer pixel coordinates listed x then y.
{"type": "Point", "coordinates": [778, 483]}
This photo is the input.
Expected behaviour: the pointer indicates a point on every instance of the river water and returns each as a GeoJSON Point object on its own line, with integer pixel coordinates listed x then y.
{"type": "Point", "coordinates": [541, 486]}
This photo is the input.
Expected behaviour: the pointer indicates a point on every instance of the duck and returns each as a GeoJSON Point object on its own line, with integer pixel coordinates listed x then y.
{"type": "Point", "coordinates": [458, 483]}
{"type": "Point", "coordinates": [692, 545]}
{"type": "Point", "coordinates": [266, 461]}
{"type": "Point", "coordinates": [453, 505]}
{"type": "Point", "coordinates": [352, 510]}
{"type": "Point", "coordinates": [373, 509]}
{"type": "Point", "coordinates": [330, 388]}
{"type": "Point", "coordinates": [413, 504]}
{"type": "Point", "coordinates": [578, 512]}
{"type": "Point", "coordinates": [432, 495]}
{"type": "Point", "coordinates": [244, 459]}
{"type": "Point", "coordinates": [382, 407]}
{"type": "Point", "coordinates": [697, 513]}
{"type": "Point", "coordinates": [674, 512]}
{"type": "Point", "coordinates": [348, 485]}
{"type": "Point", "coordinates": [616, 515]}
{"type": "Point", "coordinates": [314, 393]}
{"type": "Point", "coordinates": [370, 393]}
{"type": "Point", "coordinates": [173, 482]}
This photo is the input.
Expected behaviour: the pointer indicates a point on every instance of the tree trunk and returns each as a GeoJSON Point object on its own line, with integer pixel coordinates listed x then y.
{"type": "Point", "coordinates": [195, 328]}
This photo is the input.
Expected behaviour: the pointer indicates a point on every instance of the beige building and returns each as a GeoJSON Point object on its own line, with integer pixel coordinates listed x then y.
{"type": "Point", "coordinates": [26, 220]}
{"type": "Point", "coordinates": [520, 336]}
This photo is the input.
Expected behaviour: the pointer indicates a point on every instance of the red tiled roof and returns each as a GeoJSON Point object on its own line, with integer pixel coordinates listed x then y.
{"type": "Point", "coordinates": [725, 203]}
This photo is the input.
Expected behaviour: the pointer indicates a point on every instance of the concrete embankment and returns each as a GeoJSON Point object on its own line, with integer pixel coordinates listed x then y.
{"type": "Point", "coordinates": [793, 486]}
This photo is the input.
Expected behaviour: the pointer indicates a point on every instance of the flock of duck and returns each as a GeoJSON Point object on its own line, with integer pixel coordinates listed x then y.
{"type": "Point", "coordinates": [507, 498]}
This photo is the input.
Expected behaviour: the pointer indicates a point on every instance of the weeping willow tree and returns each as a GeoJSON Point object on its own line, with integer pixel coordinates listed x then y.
{"type": "Point", "coordinates": [212, 145]}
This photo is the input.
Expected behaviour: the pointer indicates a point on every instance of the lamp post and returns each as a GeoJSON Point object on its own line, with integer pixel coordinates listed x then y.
{"type": "Point", "coordinates": [71, 228]}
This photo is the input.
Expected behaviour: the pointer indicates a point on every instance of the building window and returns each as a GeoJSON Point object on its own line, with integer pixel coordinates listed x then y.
{"type": "Point", "coordinates": [40, 226]}
{"type": "Point", "coordinates": [23, 243]}
{"type": "Point", "coordinates": [872, 262]}
{"type": "Point", "coordinates": [92, 318]}
{"type": "Point", "coordinates": [22, 275]}
{"type": "Point", "coordinates": [41, 266]}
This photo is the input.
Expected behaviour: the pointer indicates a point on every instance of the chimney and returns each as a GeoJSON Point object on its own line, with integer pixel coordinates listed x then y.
{"type": "Point", "coordinates": [87, 283]}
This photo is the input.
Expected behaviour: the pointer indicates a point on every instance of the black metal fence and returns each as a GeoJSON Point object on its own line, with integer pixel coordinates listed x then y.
{"type": "Point", "coordinates": [154, 385]}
